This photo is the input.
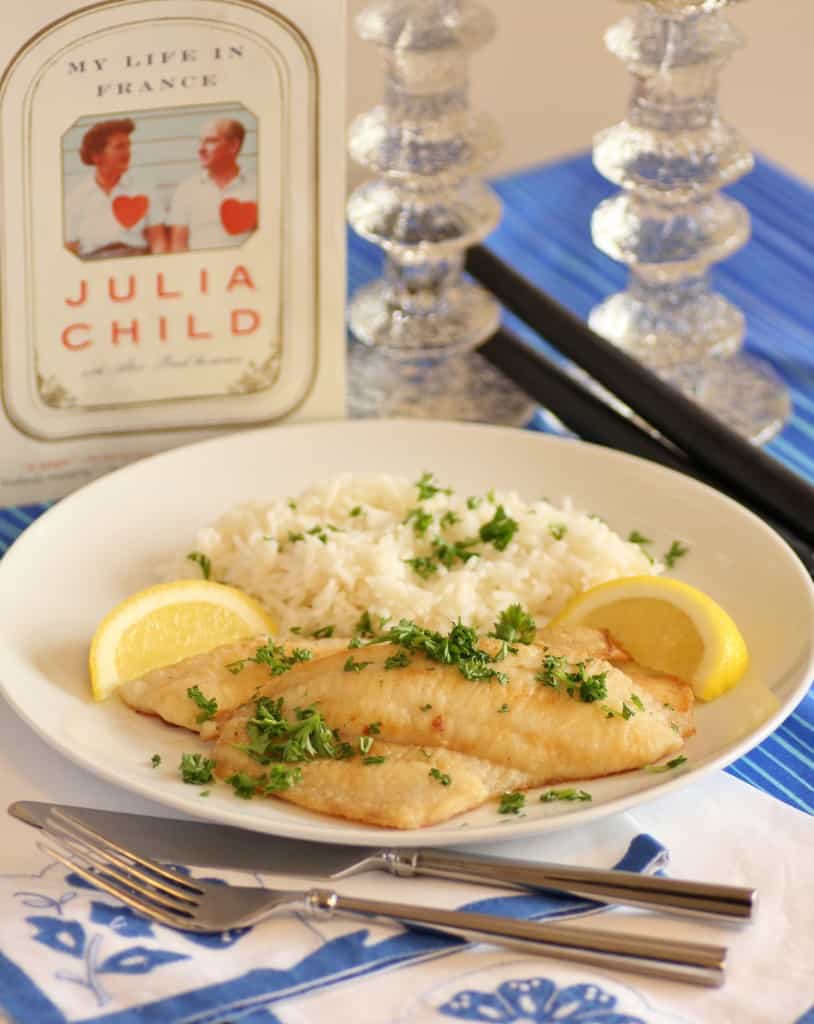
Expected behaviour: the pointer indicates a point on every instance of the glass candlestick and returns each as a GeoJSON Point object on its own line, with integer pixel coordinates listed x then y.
{"type": "Point", "coordinates": [671, 155]}
{"type": "Point", "coordinates": [416, 327]}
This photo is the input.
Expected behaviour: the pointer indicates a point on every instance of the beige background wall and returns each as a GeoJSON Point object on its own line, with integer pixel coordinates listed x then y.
{"type": "Point", "coordinates": [550, 83]}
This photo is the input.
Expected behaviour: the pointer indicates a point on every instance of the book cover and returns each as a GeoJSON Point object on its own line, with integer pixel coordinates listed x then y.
{"type": "Point", "coordinates": [172, 228]}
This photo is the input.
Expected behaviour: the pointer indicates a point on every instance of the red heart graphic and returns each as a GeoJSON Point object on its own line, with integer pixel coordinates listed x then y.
{"type": "Point", "coordinates": [237, 216]}
{"type": "Point", "coordinates": [128, 210]}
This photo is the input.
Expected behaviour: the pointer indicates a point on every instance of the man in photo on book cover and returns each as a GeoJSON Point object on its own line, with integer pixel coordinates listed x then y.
{"type": "Point", "coordinates": [112, 213]}
{"type": "Point", "coordinates": [216, 208]}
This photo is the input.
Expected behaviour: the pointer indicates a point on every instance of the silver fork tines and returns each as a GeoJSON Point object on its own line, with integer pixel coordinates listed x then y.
{"type": "Point", "coordinates": [170, 898]}
{"type": "Point", "coordinates": [104, 863]}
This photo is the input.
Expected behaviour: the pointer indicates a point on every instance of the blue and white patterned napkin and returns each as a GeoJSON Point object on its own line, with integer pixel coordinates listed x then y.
{"type": "Point", "coordinates": [71, 953]}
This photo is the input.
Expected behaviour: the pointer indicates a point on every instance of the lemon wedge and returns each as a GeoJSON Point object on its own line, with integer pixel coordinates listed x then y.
{"type": "Point", "coordinates": [167, 622]}
{"type": "Point", "coordinates": [666, 625]}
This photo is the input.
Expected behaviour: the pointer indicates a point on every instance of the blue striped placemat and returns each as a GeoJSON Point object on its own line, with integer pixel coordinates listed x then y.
{"type": "Point", "coordinates": [545, 232]}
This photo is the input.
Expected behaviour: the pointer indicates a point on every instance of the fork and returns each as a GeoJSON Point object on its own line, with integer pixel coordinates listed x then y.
{"type": "Point", "coordinates": [170, 898]}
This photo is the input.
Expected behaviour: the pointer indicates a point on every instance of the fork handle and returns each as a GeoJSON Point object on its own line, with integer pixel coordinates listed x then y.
{"type": "Point", "coordinates": [696, 963]}
{"type": "Point", "coordinates": [627, 888]}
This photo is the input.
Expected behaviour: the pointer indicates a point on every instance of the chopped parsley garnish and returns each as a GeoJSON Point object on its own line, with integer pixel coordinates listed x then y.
{"type": "Point", "coordinates": [379, 759]}
{"type": "Point", "coordinates": [364, 627]}
{"type": "Point", "coordinates": [675, 763]}
{"type": "Point", "coordinates": [355, 511]}
{"type": "Point", "coordinates": [447, 553]}
{"type": "Point", "coordinates": [428, 487]}
{"type": "Point", "coordinates": [634, 537]}
{"type": "Point", "coordinates": [473, 502]}
{"type": "Point", "coordinates": [573, 679]}
{"type": "Point", "coordinates": [677, 550]}
{"type": "Point", "coordinates": [208, 706]}
{"type": "Point", "coordinates": [503, 709]}
{"type": "Point", "coordinates": [373, 729]}
{"type": "Point", "coordinates": [499, 530]}
{"type": "Point", "coordinates": [319, 533]}
{"type": "Point", "coordinates": [294, 537]}
{"type": "Point", "coordinates": [292, 504]}
{"type": "Point", "coordinates": [459, 647]}
{"type": "Point", "coordinates": [626, 712]}
{"type": "Point", "coordinates": [557, 530]}
{"type": "Point", "coordinates": [204, 792]}
{"type": "Point", "coordinates": [449, 518]}
{"type": "Point", "coordinates": [421, 520]}
{"type": "Point", "coordinates": [196, 770]}
{"type": "Point", "coordinates": [400, 660]}
{"type": "Point", "coordinates": [155, 760]}
{"type": "Point", "coordinates": [274, 656]}
{"type": "Point", "coordinates": [203, 562]}
{"type": "Point", "coordinates": [425, 707]}
{"type": "Point", "coordinates": [307, 737]}
{"type": "Point", "coordinates": [565, 794]}
{"type": "Point", "coordinates": [423, 567]}
{"type": "Point", "coordinates": [593, 688]}
{"type": "Point", "coordinates": [515, 626]}
{"type": "Point", "coordinates": [323, 632]}
{"type": "Point", "coordinates": [442, 777]}
{"type": "Point", "coordinates": [511, 803]}
{"type": "Point", "coordinates": [279, 777]}
{"type": "Point", "coordinates": [355, 666]}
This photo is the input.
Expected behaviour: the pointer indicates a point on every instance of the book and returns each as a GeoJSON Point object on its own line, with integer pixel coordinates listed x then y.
{"type": "Point", "coordinates": [171, 228]}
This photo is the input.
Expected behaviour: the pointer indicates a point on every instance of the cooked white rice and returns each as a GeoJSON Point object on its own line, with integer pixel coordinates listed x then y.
{"type": "Point", "coordinates": [351, 563]}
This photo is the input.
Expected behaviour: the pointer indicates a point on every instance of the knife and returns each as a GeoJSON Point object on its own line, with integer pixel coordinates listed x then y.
{"type": "Point", "coordinates": [207, 845]}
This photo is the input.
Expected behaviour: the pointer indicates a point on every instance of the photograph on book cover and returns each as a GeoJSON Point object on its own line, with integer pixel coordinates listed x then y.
{"type": "Point", "coordinates": [162, 181]}
{"type": "Point", "coordinates": [162, 238]}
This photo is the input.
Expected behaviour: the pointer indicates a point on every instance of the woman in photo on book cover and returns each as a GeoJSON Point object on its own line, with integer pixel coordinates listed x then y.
{"type": "Point", "coordinates": [111, 213]}
{"type": "Point", "coordinates": [217, 207]}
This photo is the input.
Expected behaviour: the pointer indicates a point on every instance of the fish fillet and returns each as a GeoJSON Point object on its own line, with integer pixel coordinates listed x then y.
{"type": "Point", "coordinates": [523, 726]}
{"type": "Point", "coordinates": [487, 737]}
{"type": "Point", "coordinates": [163, 692]}
{"type": "Point", "coordinates": [400, 793]}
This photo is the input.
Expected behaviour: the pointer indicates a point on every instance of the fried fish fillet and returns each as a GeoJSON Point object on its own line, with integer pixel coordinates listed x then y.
{"type": "Point", "coordinates": [163, 692]}
{"type": "Point", "coordinates": [542, 733]}
{"type": "Point", "coordinates": [406, 790]}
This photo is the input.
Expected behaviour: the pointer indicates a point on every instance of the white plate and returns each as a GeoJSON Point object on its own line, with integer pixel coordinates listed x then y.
{"type": "Point", "coordinates": [103, 542]}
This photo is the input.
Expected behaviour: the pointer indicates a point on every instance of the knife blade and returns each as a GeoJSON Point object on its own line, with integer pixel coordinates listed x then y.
{"type": "Point", "coordinates": [204, 844]}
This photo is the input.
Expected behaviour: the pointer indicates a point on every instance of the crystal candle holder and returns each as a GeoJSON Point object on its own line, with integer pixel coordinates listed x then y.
{"type": "Point", "coordinates": [671, 156]}
{"type": "Point", "coordinates": [416, 327]}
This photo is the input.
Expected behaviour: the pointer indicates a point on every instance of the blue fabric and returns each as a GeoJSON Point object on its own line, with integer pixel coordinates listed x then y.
{"type": "Point", "coordinates": [543, 232]}
{"type": "Point", "coordinates": [74, 946]}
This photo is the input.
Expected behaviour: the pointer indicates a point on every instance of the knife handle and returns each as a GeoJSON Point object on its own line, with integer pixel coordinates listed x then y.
{"type": "Point", "coordinates": [697, 963]}
{"type": "Point", "coordinates": [626, 888]}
